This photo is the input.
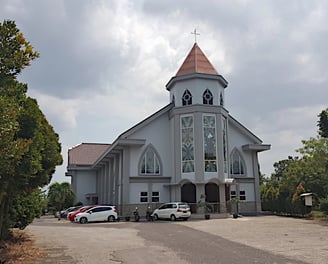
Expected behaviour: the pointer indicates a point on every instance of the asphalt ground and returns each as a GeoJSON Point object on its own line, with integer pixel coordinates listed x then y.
{"type": "Point", "coordinates": [261, 239]}
{"type": "Point", "coordinates": [298, 239]}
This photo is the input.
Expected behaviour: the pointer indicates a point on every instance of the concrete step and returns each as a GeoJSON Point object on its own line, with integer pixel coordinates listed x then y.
{"type": "Point", "coordinates": [212, 216]}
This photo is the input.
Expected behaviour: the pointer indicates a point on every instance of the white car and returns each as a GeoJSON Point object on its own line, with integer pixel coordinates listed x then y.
{"type": "Point", "coordinates": [97, 214]}
{"type": "Point", "coordinates": [172, 211]}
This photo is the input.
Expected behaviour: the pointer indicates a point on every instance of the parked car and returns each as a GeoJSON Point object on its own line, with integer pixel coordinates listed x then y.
{"type": "Point", "coordinates": [97, 214]}
{"type": "Point", "coordinates": [71, 215]}
{"type": "Point", "coordinates": [63, 214]}
{"type": "Point", "coordinates": [172, 211]}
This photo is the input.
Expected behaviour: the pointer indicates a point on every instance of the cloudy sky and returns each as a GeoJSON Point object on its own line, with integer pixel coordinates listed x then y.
{"type": "Point", "coordinates": [104, 64]}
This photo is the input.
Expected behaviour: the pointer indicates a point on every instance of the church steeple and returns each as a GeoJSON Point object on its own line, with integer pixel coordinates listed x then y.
{"type": "Point", "coordinates": [196, 62]}
{"type": "Point", "coordinates": [197, 82]}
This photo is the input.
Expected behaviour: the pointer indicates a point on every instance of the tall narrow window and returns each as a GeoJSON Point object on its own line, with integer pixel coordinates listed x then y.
{"type": "Point", "coordinates": [209, 143]}
{"type": "Point", "coordinates": [187, 144]}
{"type": "Point", "coordinates": [224, 143]}
{"type": "Point", "coordinates": [207, 97]}
{"type": "Point", "coordinates": [186, 98]}
{"type": "Point", "coordinates": [237, 164]}
{"type": "Point", "coordinates": [150, 162]}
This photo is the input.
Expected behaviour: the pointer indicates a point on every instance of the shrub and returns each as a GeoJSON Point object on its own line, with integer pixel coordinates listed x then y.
{"type": "Point", "coordinates": [324, 205]}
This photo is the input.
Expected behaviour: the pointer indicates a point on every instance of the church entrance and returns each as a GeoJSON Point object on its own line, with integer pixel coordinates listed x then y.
{"type": "Point", "coordinates": [188, 195]}
{"type": "Point", "coordinates": [212, 195]}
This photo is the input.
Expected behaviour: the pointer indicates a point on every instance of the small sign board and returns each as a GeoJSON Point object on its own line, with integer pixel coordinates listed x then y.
{"type": "Point", "coordinates": [308, 198]}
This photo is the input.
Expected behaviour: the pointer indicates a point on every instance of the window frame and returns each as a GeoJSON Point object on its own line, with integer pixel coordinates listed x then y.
{"type": "Point", "coordinates": [143, 197]}
{"type": "Point", "coordinates": [241, 163]}
{"type": "Point", "coordinates": [207, 101]}
{"type": "Point", "coordinates": [155, 198]}
{"type": "Point", "coordinates": [191, 145]}
{"type": "Point", "coordinates": [186, 101]}
{"type": "Point", "coordinates": [215, 145]}
{"type": "Point", "coordinates": [242, 195]}
{"type": "Point", "coordinates": [156, 161]}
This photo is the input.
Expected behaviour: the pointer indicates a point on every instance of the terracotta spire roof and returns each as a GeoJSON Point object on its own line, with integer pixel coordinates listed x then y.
{"type": "Point", "coordinates": [196, 62]}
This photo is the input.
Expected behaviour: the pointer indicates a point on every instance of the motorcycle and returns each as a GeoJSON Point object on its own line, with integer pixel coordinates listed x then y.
{"type": "Point", "coordinates": [136, 215]}
{"type": "Point", "coordinates": [148, 215]}
{"type": "Point", "coordinates": [22, 224]}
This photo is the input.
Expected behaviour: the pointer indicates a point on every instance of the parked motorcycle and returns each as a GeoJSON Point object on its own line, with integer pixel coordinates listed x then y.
{"type": "Point", "coordinates": [136, 215]}
{"type": "Point", "coordinates": [148, 215]}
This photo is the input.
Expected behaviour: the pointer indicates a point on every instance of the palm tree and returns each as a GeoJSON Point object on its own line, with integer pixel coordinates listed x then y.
{"type": "Point", "coordinates": [60, 195]}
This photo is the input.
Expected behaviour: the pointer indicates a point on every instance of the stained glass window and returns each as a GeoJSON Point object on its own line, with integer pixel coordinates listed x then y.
{"type": "Point", "coordinates": [224, 143]}
{"type": "Point", "coordinates": [187, 144]}
{"type": "Point", "coordinates": [207, 97]}
{"type": "Point", "coordinates": [150, 162]}
{"type": "Point", "coordinates": [209, 129]}
{"type": "Point", "coordinates": [237, 164]}
{"type": "Point", "coordinates": [186, 98]}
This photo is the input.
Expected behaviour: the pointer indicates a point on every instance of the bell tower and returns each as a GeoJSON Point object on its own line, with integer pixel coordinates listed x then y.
{"type": "Point", "coordinates": [197, 81]}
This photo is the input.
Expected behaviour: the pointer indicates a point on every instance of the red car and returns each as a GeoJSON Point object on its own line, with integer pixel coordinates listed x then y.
{"type": "Point", "coordinates": [72, 215]}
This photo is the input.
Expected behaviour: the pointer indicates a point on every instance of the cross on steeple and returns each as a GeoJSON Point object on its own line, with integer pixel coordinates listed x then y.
{"type": "Point", "coordinates": [195, 33]}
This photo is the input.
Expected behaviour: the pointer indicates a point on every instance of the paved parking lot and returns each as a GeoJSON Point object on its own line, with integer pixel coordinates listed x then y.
{"type": "Point", "coordinates": [299, 240]}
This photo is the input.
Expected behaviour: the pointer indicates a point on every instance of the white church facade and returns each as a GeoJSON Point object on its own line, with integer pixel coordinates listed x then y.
{"type": "Point", "coordinates": [189, 149]}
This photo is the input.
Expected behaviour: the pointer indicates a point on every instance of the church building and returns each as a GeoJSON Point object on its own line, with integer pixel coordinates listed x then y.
{"type": "Point", "coordinates": [189, 149]}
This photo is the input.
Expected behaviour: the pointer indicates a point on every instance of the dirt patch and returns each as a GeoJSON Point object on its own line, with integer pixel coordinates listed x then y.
{"type": "Point", "coordinates": [19, 249]}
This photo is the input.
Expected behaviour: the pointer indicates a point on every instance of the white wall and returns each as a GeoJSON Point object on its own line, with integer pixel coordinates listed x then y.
{"type": "Point", "coordinates": [249, 190]}
{"type": "Point", "coordinates": [157, 133]}
{"type": "Point", "coordinates": [85, 183]}
{"type": "Point", "coordinates": [163, 192]}
{"type": "Point", "coordinates": [236, 140]}
{"type": "Point", "coordinates": [197, 88]}
{"type": "Point", "coordinates": [135, 189]}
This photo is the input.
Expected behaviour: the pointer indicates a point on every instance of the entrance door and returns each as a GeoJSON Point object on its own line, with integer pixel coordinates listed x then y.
{"type": "Point", "coordinates": [212, 195]}
{"type": "Point", "coordinates": [188, 195]}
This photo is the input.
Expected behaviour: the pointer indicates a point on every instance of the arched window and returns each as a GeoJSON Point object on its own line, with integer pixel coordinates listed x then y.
{"type": "Point", "coordinates": [186, 98]}
{"type": "Point", "coordinates": [207, 97]}
{"type": "Point", "coordinates": [237, 165]}
{"type": "Point", "coordinates": [150, 163]}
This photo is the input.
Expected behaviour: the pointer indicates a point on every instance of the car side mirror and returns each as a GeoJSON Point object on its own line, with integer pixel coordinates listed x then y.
{"type": "Point", "coordinates": [90, 212]}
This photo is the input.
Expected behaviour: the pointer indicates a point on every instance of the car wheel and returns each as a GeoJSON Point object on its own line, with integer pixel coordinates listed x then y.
{"type": "Point", "coordinates": [173, 218]}
{"type": "Point", "coordinates": [83, 220]}
{"type": "Point", "coordinates": [155, 217]}
{"type": "Point", "coordinates": [111, 218]}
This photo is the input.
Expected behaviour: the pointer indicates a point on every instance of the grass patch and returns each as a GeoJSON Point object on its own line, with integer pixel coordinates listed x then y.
{"type": "Point", "coordinates": [319, 216]}
{"type": "Point", "coordinates": [19, 249]}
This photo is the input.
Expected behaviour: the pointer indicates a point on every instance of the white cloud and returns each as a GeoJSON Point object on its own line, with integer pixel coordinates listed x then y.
{"type": "Point", "coordinates": [102, 60]}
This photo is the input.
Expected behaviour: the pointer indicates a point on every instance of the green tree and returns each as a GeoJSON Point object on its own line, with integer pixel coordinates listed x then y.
{"type": "Point", "coordinates": [312, 170]}
{"type": "Point", "coordinates": [323, 123]}
{"type": "Point", "coordinates": [27, 206]}
{"type": "Point", "coordinates": [60, 196]}
{"type": "Point", "coordinates": [15, 52]}
{"type": "Point", "coordinates": [277, 191]}
{"type": "Point", "coordinates": [29, 147]}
